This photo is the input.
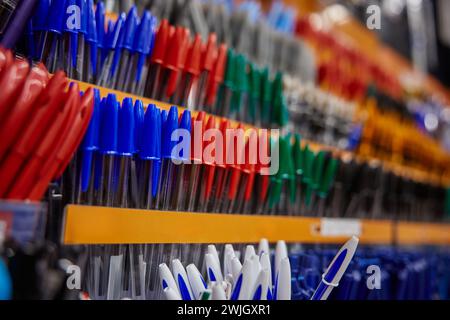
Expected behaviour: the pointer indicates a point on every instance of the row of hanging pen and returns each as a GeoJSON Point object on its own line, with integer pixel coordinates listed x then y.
{"type": "Point", "coordinates": [164, 62]}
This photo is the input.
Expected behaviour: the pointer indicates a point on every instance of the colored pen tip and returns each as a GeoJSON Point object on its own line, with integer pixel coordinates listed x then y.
{"type": "Point", "coordinates": [109, 125]}
{"type": "Point", "coordinates": [126, 142]}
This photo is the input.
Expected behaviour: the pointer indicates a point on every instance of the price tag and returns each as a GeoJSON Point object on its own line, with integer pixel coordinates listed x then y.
{"type": "Point", "coordinates": [340, 227]}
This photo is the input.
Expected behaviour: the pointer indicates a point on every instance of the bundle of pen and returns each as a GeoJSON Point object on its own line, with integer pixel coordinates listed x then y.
{"type": "Point", "coordinates": [376, 273]}
{"type": "Point", "coordinates": [322, 117]}
{"type": "Point", "coordinates": [41, 126]}
{"type": "Point", "coordinates": [238, 275]}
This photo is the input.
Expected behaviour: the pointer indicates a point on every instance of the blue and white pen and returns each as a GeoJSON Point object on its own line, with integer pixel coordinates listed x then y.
{"type": "Point", "coordinates": [167, 279]}
{"type": "Point", "coordinates": [243, 283]}
{"type": "Point", "coordinates": [182, 281]}
{"type": "Point", "coordinates": [280, 253]}
{"type": "Point", "coordinates": [196, 281]}
{"type": "Point", "coordinates": [213, 269]}
{"type": "Point", "coordinates": [263, 247]}
{"type": "Point", "coordinates": [261, 290]}
{"type": "Point", "coordinates": [283, 281]}
{"type": "Point", "coordinates": [336, 269]}
{"type": "Point", "coordinates": [266, 265]}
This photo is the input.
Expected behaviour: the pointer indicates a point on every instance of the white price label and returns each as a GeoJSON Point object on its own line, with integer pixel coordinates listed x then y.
{"type": "Point", "coordinates": [340, 227]}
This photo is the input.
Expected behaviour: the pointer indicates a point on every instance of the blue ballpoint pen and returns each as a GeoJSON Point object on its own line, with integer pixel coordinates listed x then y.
{"type": "Point", "coordinates": [82, 35]}
{"type": "Point", "coordinates": [125, 150]}
{"type": "Point", "coordinates": [88, 148]}
{"type": "Point", "coordinates": [108, 149]}
{"type": "Point", "coordinates": [100, 26]}
{"type": "Point", "coordinates": [52, 49]}
{"type": "Point", "coordinates": [112, 38]}
{"type": "Point", "coordinates": [124, 50]}
{"type": "Point", "coordinates": [136, 74]}
{"type": "Point", "coordinates": [336, 269]}
{"type": "Point", "coordinates": [90, 53]}
{"type": "Point", "coordinates": [39, 26]}
{"type": "Point", "coordinates": [71, 27]}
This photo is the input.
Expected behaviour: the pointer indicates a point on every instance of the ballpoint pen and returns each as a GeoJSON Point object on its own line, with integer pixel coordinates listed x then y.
{"type": "Point", "coordinates": [167, 279]}
{"type": "Point", "coordinates": [209, 52]}
{"type": "Point", "coordinates": [196, 160]}
{"type": "Point", "coordinates": [239, 100]}
{"type": "Point", "coordinates": [124, 50]}
{"type": "Point", "coordinates": [182, 157]}
{"type": "Point", "coordinates": [88, 148]}
{"type": "Point", "coordinates": [282, 289]}
{"type": "Point", "coordinates": [221, 169]}
{"type": "Point", "coordinates": [138, 67]}
{"type": "Point", "coordinates": [336, 269]}
{"type": "Point", "coordinates": [225, 93]}
{"type": "Point", "coordinates": [100, 31]}
{"type": "Point", "coordinates": [196, 281]}
{"type": "Point", "coordinates": [125, 150]}
{"type": "Point", "coordinates": [105, 76]}
{"type": "Point", "coordinates": [190, 73]}
{"type": "Point", "coordinates": [70, 40]}
{"type": "Point", "coordinates": [108, 150]}
{"type": "Point", "coordinates": [162, 37]}
{"type": "Point", "coordinates": [209, 163]}
{"type": "Point", "coordinates": [174, 60]}
{"type": "Point", "coordinates": [182, 281]}
{"type": "Point", "coordinates": [91, 46]}
{"type": "Point", "coordinates": [16, 24]}
{"type": "Point", "coordinates": [215, 79]}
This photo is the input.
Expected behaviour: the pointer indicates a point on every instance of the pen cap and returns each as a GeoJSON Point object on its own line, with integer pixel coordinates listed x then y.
{"type": "Point", "coordinates": [84, 15]}
{"type": "Point", "coordinates": [109, 125]}
{"type": "Point", "coordinates": [208, 53]}
{"type": "Point", "coordinates": [138, 124]}
{"type": "Point", "coordinates": [194, 56]}
{"type": "Point", "coordinates": [126, 38]}
{"type": "Point", "coordinates": [56, 16]}
{"type": "Point", "coordinates": [169, 126]}
{"type": "Point", "coordinates": [151, 133]}
{"type": "Point", "coordinates": [143, 36]}
{"type": "Point", "coordinates": [125, 140]}
{"type": "Point", "coordinates": [112, 37]}
{"type": "Point", "coordinates": [308, 158]}
{"type": "Point", "coordinates": [91, 23]}
{"type": "Point", "coordinates": [175, 48]}
{"type": "Point", "coordinates": [216, 74]}
{"type": "Point", "coordinates": [41, 12]}
{"type": "Point", "coordinates": [240, 73]}
{"type": "Point", "coordinates": [185, 123]}
{"type": "Point", "coordinates": [100, 23]}
{"type": "Point", "coordinates": [90, 140]}
{"type": "Point", "coordinates": [161, 39]}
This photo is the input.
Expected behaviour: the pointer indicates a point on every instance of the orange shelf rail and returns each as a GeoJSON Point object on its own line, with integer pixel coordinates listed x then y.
{"type": "Point", "coordinates": [102, 225]}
